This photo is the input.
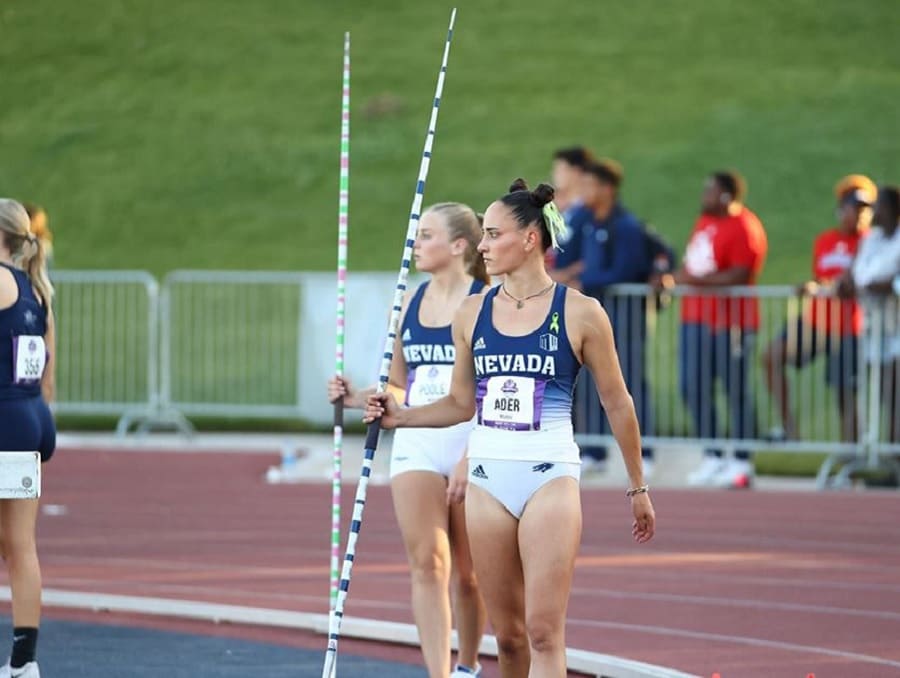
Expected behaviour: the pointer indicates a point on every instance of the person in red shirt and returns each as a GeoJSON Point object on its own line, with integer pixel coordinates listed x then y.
{"type": "Point", "coordinates": [718, 330]}
{"type": "Point", "coordinates": [827, 324]}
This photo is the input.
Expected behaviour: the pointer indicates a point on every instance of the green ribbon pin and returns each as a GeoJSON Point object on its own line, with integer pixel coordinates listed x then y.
{"type": "Point", "coordinates": [554, 322]}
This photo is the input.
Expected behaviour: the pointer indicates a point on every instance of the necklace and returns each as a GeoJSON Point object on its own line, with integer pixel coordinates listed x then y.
{"type": "Point", "coordinates": [521, 302]}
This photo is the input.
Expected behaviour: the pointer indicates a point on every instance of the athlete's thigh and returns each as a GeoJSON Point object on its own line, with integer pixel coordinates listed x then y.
{"type": "Point", "coordinates": [548, 563]}
{"type": "Point", "coordinates": [493, 541]}
{"type": "Point", "coordinates": [420, 503]}
{"type": "Point", "coordinates": [18, 518]}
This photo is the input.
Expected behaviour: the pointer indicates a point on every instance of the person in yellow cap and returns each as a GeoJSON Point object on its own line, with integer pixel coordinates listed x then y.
{"type": "Point", "coordinates": [828, 324]}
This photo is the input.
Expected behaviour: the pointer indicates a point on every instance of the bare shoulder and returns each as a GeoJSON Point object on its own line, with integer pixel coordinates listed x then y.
{"type": "Point", "coordinates": [581, 308]}
{"type": "Point", "coordinates": [469, 308]}
{"type": "Point", "coordinates": [465, 317]}
{"type": "Point", "coordinates": [585, 319]}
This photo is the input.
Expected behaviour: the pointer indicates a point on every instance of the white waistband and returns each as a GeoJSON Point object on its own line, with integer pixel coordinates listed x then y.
{"type": "Point", "coordinates": [554, 443]}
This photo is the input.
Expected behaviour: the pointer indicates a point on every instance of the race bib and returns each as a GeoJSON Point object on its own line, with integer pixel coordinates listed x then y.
{"type": "Point", "coordinates": [428, 383]}
{"type": "Point", "coordinates": [511, 403]}
{"type": "Point", "coordinates": [29, 359]}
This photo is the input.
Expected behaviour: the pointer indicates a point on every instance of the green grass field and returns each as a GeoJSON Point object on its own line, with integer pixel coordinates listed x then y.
{"type": "Point", "coordinates": [205, 134]}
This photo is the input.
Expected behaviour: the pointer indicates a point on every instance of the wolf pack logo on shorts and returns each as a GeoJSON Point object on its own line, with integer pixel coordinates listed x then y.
{"type": "Point", "coordinates": [509, 386]}
{"type": "Point", "coordinates": [542, 468]}
{"type": "Point", "coordinates": [549, 342]}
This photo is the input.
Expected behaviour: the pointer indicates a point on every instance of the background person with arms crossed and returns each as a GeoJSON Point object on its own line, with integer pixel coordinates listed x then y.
{"type": "Point", "coordinates": [718, 332]}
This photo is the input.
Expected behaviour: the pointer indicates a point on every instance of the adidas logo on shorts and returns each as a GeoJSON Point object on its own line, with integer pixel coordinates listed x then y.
{"type": "Point", "coordinates": [478, 472]}
{"type": "Point", "coordinates": [407, 335]}
{"type": "Point", "coordinates": [479, 345]}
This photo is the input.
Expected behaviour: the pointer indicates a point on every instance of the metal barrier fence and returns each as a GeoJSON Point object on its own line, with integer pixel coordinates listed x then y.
{"type": "Point", "coordinates": [107, 343]}
{"type": "Point", "coordinates": [249, 344]}
{"type": "Point", "coordinates": [231, 343]}
{"type": "Point", "coordinates": [753, 368]}
{"type": "Point", "coordinates": [209, 343]}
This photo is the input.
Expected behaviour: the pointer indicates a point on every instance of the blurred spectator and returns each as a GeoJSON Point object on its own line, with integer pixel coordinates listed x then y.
{"type": "Point", "coordinates": [567, 173]}
{"type": "Point", "coordinates": [827, 325]}
{"type": "Point", "coordinates": [40, 227]}
{"type": "Point", "coordinates": [611, 246]}
{"type": "Point", "coordinates": [568, 170]}
{"type": "Point", "coordinates": [876, 275]}
{"type": "Point", "coordinates": [728, 247]}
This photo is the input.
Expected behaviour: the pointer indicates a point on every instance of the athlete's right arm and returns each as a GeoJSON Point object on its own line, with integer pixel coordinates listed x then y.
{"type": "Point", "coordinates": [456, 407]}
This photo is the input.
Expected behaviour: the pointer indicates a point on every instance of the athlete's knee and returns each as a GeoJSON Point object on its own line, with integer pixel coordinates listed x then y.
{"type": "Point", "coordinates": [512, 641]}
{"type": "Point", "coordinates": [464, 580]}
{"type": "Point", "coordinates": [15, 546]}
{"type": "Point", "coordinates": [428, 564]}
{"type": "Point", "coordinates": [545, 632]}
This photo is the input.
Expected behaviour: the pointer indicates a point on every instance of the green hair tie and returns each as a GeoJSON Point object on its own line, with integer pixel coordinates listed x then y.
{"type": "Point", "coordinates": [556, 225]}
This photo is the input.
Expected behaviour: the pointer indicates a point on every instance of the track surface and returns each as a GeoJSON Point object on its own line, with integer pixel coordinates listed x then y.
{"type": "Point", "coordinates": [745, 584]}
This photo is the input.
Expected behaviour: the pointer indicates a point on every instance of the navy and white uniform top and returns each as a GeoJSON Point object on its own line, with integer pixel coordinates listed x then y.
{"type": "Point", "coordinates": [429, 353]}
{"type": "Point", "coordinates": [524, 388]}
{"type": "Point", "coordinates": [23, 351]}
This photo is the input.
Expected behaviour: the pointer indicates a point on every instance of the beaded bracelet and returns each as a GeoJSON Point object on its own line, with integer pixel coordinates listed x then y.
{"type": "Point", "coordinates": [643, 489]}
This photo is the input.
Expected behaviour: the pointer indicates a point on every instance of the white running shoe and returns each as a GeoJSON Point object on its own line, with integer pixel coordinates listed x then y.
{"type": "Point", "coordinates": [735, 474]}
{"type": "Point", "coordinates": [30, 670]}
{"type": "Point", "coordinates": [703, 475]}
{"type": "Point", "coordinates": [463, 671]}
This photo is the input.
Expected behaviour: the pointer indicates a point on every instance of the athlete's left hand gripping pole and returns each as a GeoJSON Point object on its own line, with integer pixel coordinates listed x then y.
{"type": "Point", "coordinates": [334, 627]}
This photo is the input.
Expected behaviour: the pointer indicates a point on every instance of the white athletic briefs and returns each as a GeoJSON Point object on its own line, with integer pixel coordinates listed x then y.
{"type": "Point", "coordinates": [514, 482]}
{"type": "Point", "coordinates": [429, 449]}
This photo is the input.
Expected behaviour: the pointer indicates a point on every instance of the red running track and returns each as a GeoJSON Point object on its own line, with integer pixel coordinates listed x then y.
{"type": "Point", "coordinates": [751, 584]}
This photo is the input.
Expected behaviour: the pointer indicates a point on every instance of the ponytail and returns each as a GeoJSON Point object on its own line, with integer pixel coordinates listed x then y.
{"type": "Point", "coordinates": [476, 266]}
{"type": "Point", "coordinates": [33, 260]}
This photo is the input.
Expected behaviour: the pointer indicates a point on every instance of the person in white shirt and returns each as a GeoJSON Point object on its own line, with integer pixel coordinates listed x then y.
{"type": "Point", "coordinates": [876, 277]}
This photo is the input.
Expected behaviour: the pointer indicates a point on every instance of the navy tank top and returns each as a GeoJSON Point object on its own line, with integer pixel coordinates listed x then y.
{"type": "Point", "coordinates": [23, 351]}
{"type": "Point", "coordinates": [428, 351]}
{"type": "Point", "coordinates": [524, 383]}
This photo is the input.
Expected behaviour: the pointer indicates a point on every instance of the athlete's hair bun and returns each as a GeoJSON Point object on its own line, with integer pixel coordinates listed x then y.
{"type": "Point", "coordinates": [542, 195]}
{"type": "Point", "coordinates": [518, 185]}
{"type": "Point", "coordinates": [538, 197]}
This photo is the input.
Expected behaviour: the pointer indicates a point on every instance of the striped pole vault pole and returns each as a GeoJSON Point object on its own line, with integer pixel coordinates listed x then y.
{"type": "Point", "coordinates": [334, 630]}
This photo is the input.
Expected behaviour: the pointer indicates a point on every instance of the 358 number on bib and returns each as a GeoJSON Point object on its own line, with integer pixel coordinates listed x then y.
{"type": "Point", "coordinates": [29, 359]}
